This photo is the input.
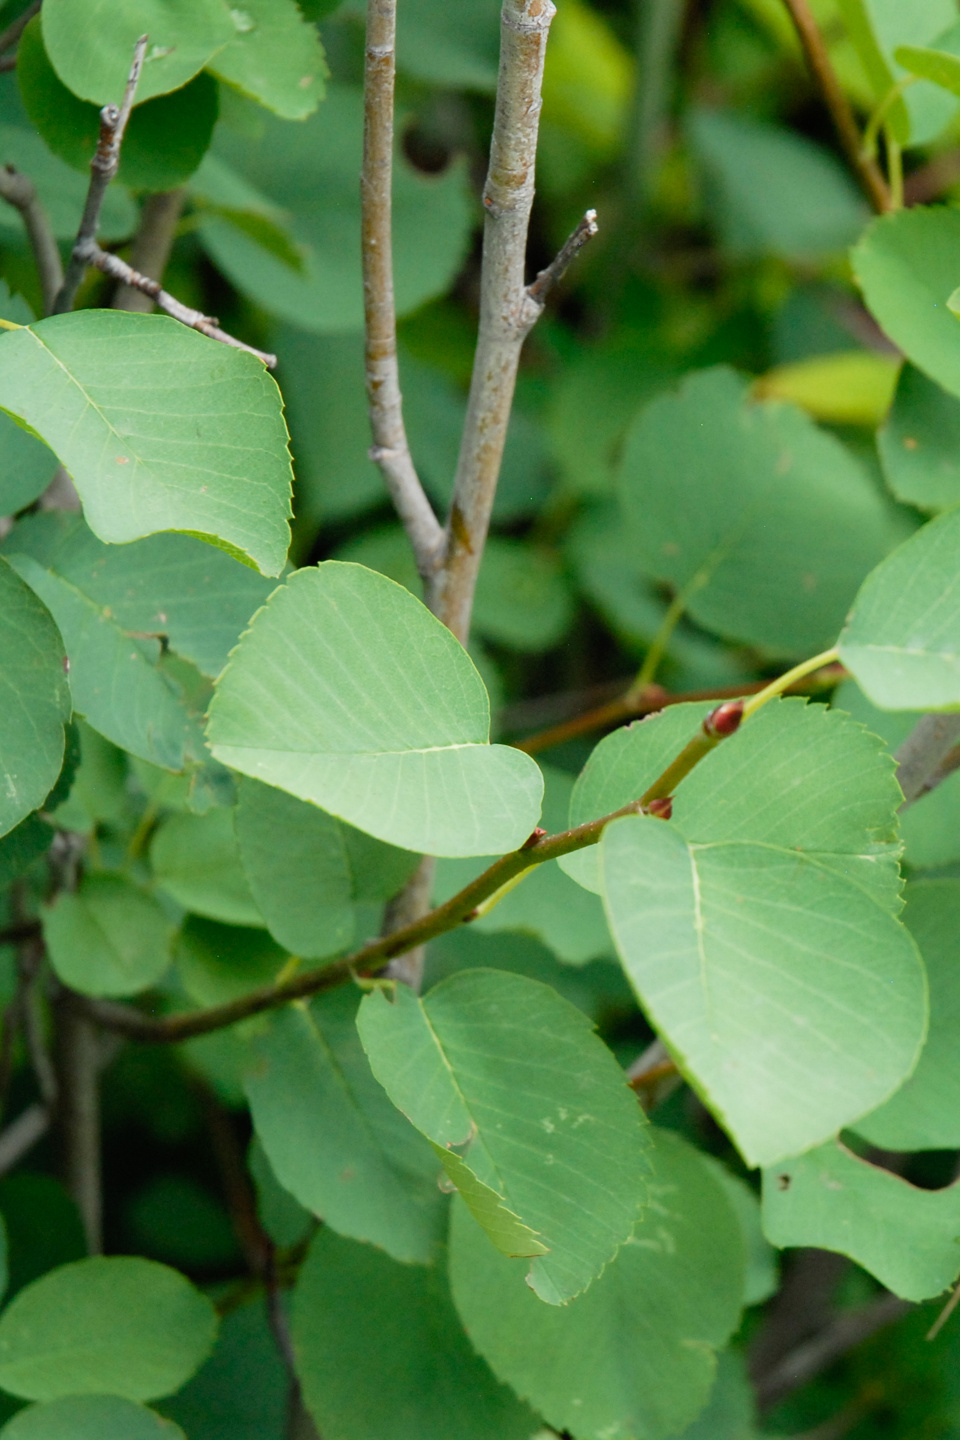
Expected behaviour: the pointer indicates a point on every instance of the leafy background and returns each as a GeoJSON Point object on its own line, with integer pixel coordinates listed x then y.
{"type": "Point", "coordinates": [712, 341]}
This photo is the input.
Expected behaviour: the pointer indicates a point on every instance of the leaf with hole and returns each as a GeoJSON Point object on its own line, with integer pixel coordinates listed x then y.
{"type": "Point", "coordinates": [347, 692]}
{"type": "Point", "coordinates": [820, 1199]}
{"type": "Point", "coordinates": [502, 1066]}
{"type": "Point", "coordinates": [160, 428]}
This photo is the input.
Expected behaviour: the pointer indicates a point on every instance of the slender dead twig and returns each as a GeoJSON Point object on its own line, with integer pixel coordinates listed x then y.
{"type": "Point", "coordinates": [103, 168]}
{"type": "Point", "coordinates": [22, 1134]}
{"type": "Point", "coordinates": [924, 752]}
{"type": "Point", "coordinates": [19, 192]}
{"type": "Point", "coordinates": [390, 450]}
{"type": "Point", "coordinates": [461, 908]}
{"type": "Point", "coordinates": [118, 269]}
{"type": "Point", "coordinates": [813, 1356]}
{"type": "Point", "coordinates": [506, 309]}
{"type": "Point", "coordinates": [540, 288]}
{"type": "Point", "coordinates": [152, 245]}
{"type": "Point", "coordinates": [10, 36]}
{"type": "Point", "coordinates": [864, 166]}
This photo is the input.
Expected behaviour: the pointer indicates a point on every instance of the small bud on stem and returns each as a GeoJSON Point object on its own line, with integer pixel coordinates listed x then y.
{"type": "Point", "coordinates": [662, 808]}
{"type": "Point", "coordinates": [724, 720]}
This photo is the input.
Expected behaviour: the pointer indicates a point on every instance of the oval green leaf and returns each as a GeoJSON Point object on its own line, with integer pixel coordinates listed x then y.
{"type": "Point", "coordinates": [118, 1326]}
{"type": "Point", "coordinates": [347, 692]}
{"type": "Point", "coordinates": [159, 427]}
{"type": "Point", "coordinates": [274, 57]}
{"type": "Point", "coordinates": [109, 937]}
{"type": "Point", "coordinates": [90, 1417]}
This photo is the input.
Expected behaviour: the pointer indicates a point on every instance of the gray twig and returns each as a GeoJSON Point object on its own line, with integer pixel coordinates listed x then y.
{"type": "Point", "coordinates": [412, 902]}
{"type": "Point", "coordinates": [22, 1134]}
{"type": "Point", "coordinates": [390, 450]}
{"type": "Point", "coordinates": [817, 1354]}
{"type": "Point", "coordinates": [10, 36]}
{"type": "Point", "coordinates": [555, 271]}
{"type": "Point", "coordinates": [507, 310]}
{"type": "Point", "coordinates": [118, 269]}
{"type": "Point", "coordinates": [103, 168]}
{"type": "Point", "coordinates": [78, 1055]}
{"type": "Point", "coordinates": [152, 245]}
{"type": "Point", "coordinates": [923, 754]}
{"type": "Point", "coordinates": [19, 192]}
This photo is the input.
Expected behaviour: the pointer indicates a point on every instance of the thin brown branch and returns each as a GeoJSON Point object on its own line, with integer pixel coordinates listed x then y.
{"type": "Point", "coordinates": [506, 310]}
{"type": "Point", "coordinates": [864, 167]}
{"type": "Point", "coordinates": [924, 753]}
{"type": "Point", "coordinates": [8, 63]}
{"type": "Point", "coordinates": [19, 192]}
{"type": "Point", "coordinates": [10, 36]}
{"type": "Point", "coordinates": [843, 1333]}
{"type": "Point", "coordinates": [372, 958]}
{"type": "Point", "coordinates": [152, 245]}
{"type": "Point", "coordinates": [118, 269]}
{"type": "Point", "coordinates": [103, 168]}
{"type": "Point", "coordinates": [551, 276]}
{"type": "Point", "coordinates": [633, 704]}
{"type": "Point", "coordinates": [390, 450]}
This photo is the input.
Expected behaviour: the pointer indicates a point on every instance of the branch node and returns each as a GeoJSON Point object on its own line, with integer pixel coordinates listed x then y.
{"type": "Point", "coordinates": [554, 272]}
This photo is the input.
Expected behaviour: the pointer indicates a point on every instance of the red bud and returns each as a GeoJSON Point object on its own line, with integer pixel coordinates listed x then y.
{"type": "Point", "coordinates": [663, 809]}
{"type": "Point", "coordinates": [724, 720]}
{"type": "Point", "coordinates": [533, 839]}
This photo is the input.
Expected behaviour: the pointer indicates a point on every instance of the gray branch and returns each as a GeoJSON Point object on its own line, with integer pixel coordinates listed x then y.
{"type": "Point", "coordinates": [390, 450]}
{"type": "Point", "coordinates": [118, 269]}
{"type": "Point", "coordinates": [103, 168]}
{"type": "Point", "coordinates": [507, 310]}
{"type": "Point", "coordinates": [924, 752]}
{"type": "Point", "coordinates": [10, 36]}
{"type": "Point", "coordinates": [19, 192]}
{"type": "Point", "coordinates": [152, 245]}
{"type": "Point", "coordinates": [817, 1354]}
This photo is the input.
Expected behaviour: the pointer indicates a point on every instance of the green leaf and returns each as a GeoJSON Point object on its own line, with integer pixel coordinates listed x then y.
{"type": "Point", "coordinates": [307, 870]}
{"type": "Point", "coordinates": [523, 600]}
{"type": "Point", "coordinates": [938, 66]}
{"type": "Point", "coordinates": [924, 1114]}
{"type": "Point", "coordinates": [634, 1355]}
{"type": "Point", "coordinates": [24, 844]}
{"type": "Point", "coordinates": [170, 587]}
{"type": "Point", "coordinates": [121, 1326]}
{"type": "Point", "coordinates": [98, 792]}
{"type": "Point", "coordinates": [285, 1220]}
{"type": "Point", "coordinates": [919, 444]}
{"type": "Point", "coordinates": [241, 1392]}
{"type": "Point", "coordinates": [159, 427]}
{"type": "Point", "coordinates": [765, 524]}
{"type": "Point", "coordinates": [758, 929]}
{"type": "Point", "coordinates": [218, 963]}
{"type": "Point", "coordinates": [195, 859]}
{"type": "Point", "coordinates": [762, 1274]}
{"type": "Point", "coordinates": [164, 141]}
{"type": "Point", "coordinates": [311, 172]}
{"type": "Point", "coordinates": [453, 46]}
{"type": "Point", "coordinates": [731, 1409]}
{"type": "Point", "coordinates": [546, 903]}
{"type": "Point", "coordinates": [107, 938]}
{"type": "Point", "coordinates": [357, 1312]}
{"type": "Point", "coordinates": [115, 681]}
{"type": "Point", "coordinates": [901, 641]}
{"type": "Point", "coordinates": [89, 1417]}
{"type": "Point", "coordinates": [274, 57]}
{"type": "Point", "coordinates": [34, 700]}
{"type": "Point", "coordinates": [906, 266]}
{"type": "Point", "coordinates": [877, 29]}
{"type": "Point", "coordinates": [821, 1198]}
{"type": "Point", "coordinates": [770, 191]}
{"type": "Point", "coordinates": [347, 692]}
{"type": "Point", "coordinates": [27, 466]}
{"type": "Point", "coordinates": [504, 1066]}
{"type": "Point", "coordinates": [90, 43]}
{"type": "Point", "coordinates": [333, 1139]}
{"type": "Point", "coordinates": [60, 189]}
{"type": "Point", "coordinates": [929, 827]}
{"type": "Point", "coordinates": [42, 1225]}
